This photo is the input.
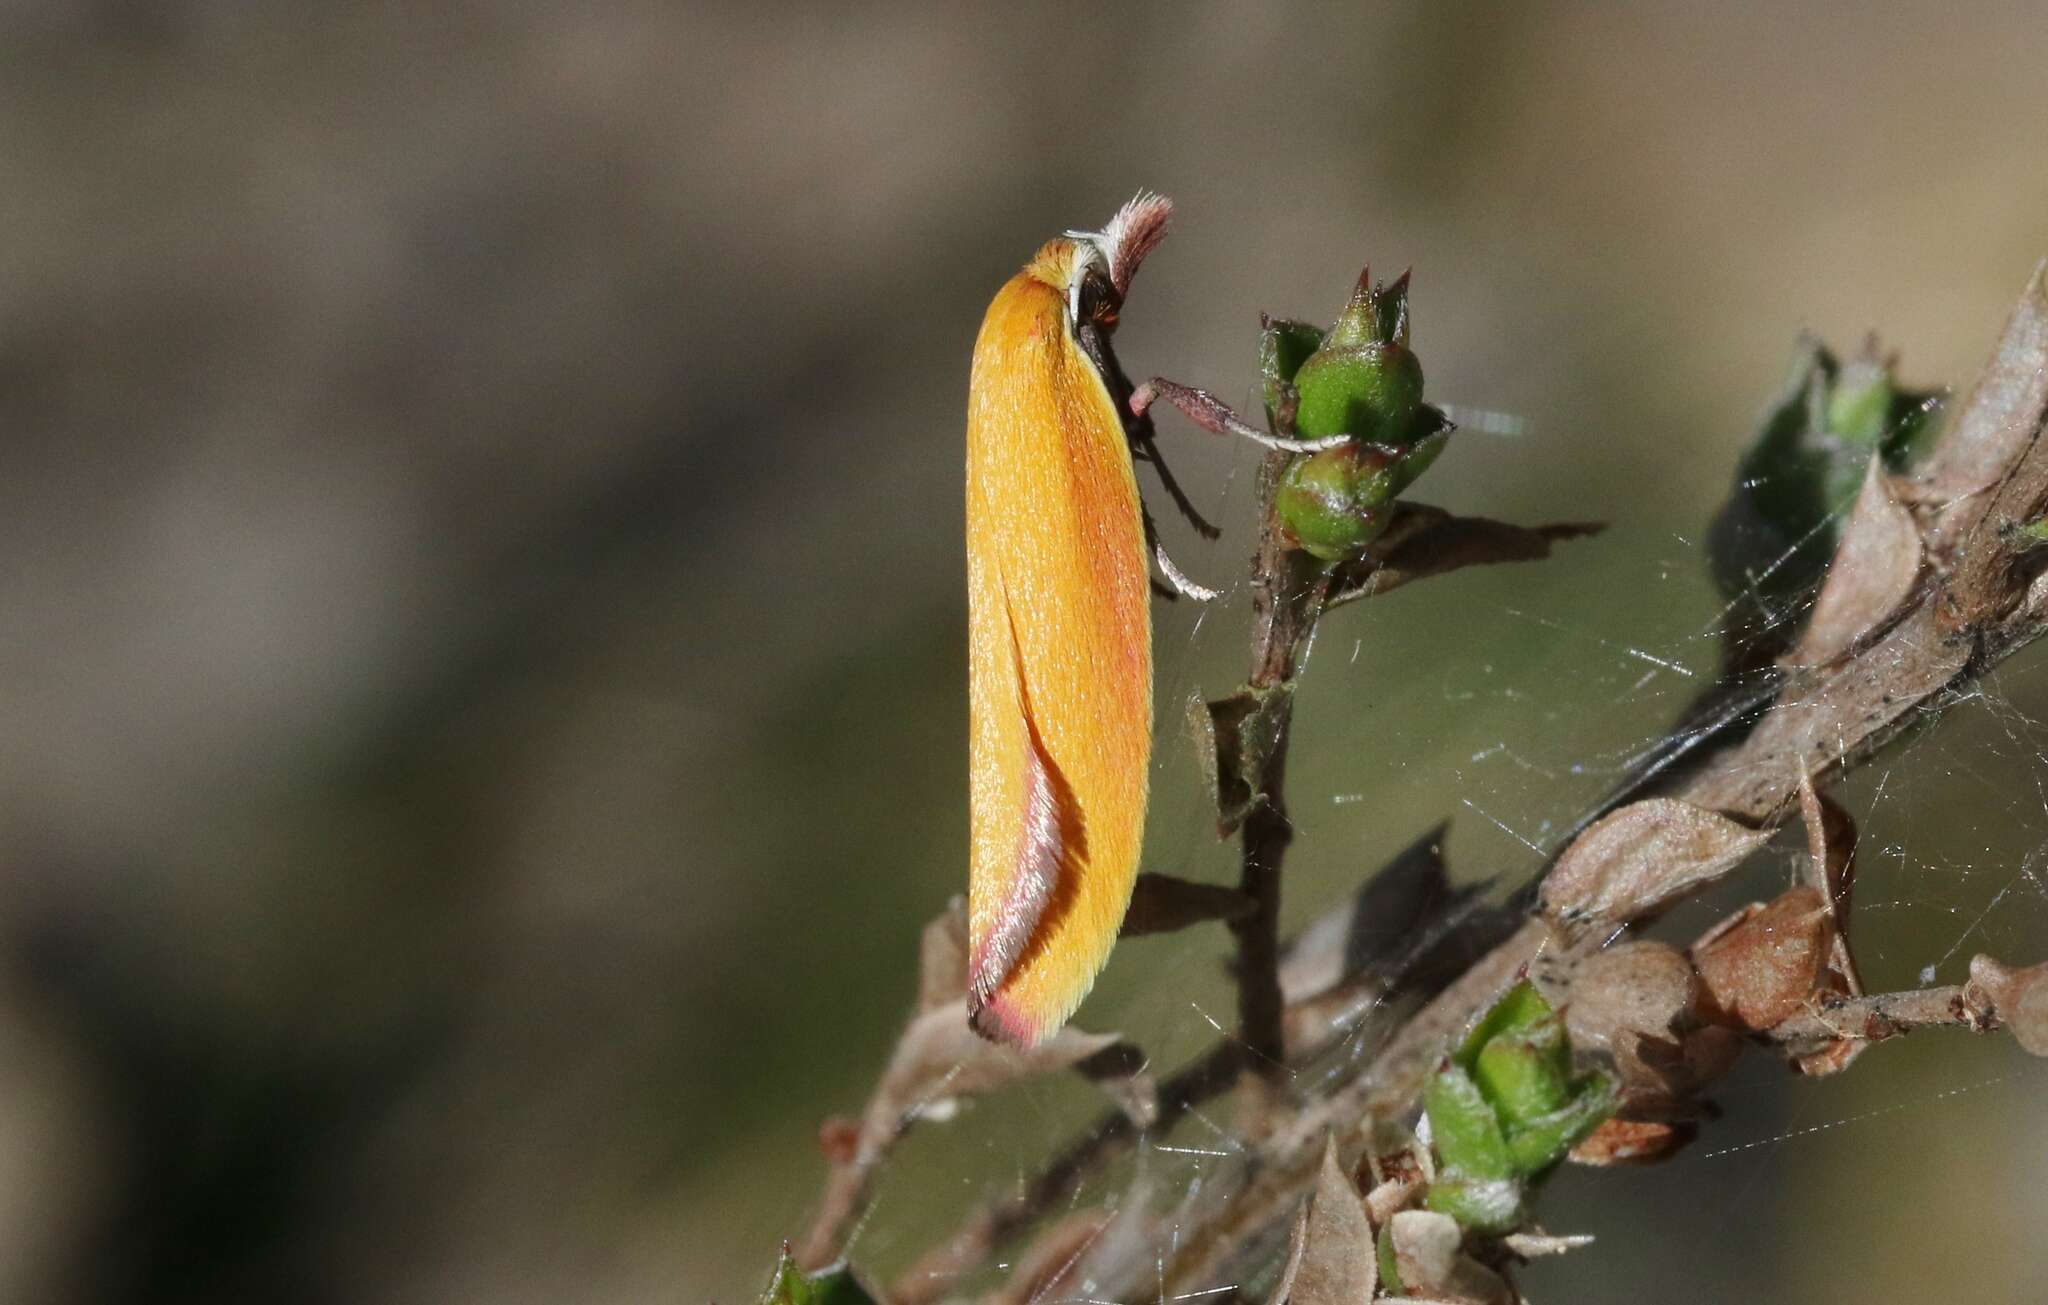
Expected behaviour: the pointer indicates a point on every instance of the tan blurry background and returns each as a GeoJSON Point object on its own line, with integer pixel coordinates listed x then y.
{"type": "Point", "coordinates": [481, 694]}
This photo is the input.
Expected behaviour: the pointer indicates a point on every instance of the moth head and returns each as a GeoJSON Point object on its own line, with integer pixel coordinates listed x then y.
{"type": "Point", "coordinates": [1094, 268]}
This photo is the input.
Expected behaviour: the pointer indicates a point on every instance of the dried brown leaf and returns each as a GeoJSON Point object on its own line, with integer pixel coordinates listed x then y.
{"type": "Point", "coordinates": [942, 957]}
{"type": "Point", "coordinates": [1432, 1266]}
{"type": "Point", "coordinates": [1638, 1001]}
{"type": "Point", "coordinates": [1994, 426]}
{"type": "Point", "coordinates": [1297, 1242]}
{"type": "Point", "coordinates": [1233, 737]}
{"type": "Point", "coordinates": [1643, 856]}
{"type": "Point", "coordinates": [940, 1058]}
{"type": "Point", "coordinates": [1872, 574]}
{"type": "Point", "coordinates": [1164, 904]}
{"type": "Point", "coordinates": [1633, 1142]}
{"type": "Point", "coordinates": [1983, 466]}
{"type": "Point", "coordinates": [1831, 870]}
{"type": "Point", "coordinates": [1338, 1262]}
{"type": "Point", "coordinates": [1630, 989]}
{"type": "Point", "coordinates": [1426, 1248]}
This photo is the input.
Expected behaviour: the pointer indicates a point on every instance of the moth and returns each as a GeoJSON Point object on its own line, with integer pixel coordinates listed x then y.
{"type": "Point", "coordinates": [1059, 625]}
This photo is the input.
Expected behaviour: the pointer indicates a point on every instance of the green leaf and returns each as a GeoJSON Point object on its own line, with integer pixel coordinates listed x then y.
{"type": "Point", "coordinates": [1464, 1127]}
{"type": "Point", "coordinates": [1520, 1007]}
{"type": "Point", "coordinates": [1284, 345]}
{"type": "Point", "coordinates": [832, 1286]}
{"type": "Point", "coordinates": [1481, 1205]}
{"type": "Point", "coordinates": [1541, 1142]}
{"type": "Point", "coordinates": [1408, 468]}
{"type": "Point", "coordinates": [1525, 1074]}
{"type": "Point", "coordinates": [1390, 1269]}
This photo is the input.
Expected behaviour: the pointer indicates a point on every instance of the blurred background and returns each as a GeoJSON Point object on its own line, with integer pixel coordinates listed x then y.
{"type": "Point", "coordinates": [483, 707]}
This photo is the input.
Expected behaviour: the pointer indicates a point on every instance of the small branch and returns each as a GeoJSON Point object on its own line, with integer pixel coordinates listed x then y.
{"type": "Point", "coordinates": [1285, 604]}
{"type": "Point", "coordinates": [1882, 1016]}
{"type": "Point", "coordinates": [932, 1275]}
{"type": "Point", "coordinates": [1422, 935]}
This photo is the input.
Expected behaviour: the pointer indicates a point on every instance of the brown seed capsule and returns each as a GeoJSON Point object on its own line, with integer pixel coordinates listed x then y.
{"type": "Point", "coordinates": [1760, 966]}
{"type": "Point", "coordinates": [1639, 1003]}
{"type": "Point", "coordinates": [2019, 998]}
{"type": "Point", "coordinates": [1630, 990]}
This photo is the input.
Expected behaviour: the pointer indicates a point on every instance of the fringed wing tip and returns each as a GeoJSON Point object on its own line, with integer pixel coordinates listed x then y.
{"type": "Point", "coordinates": [998, 1019]}
{"type": "Point", "coordinates": [1034, 871]}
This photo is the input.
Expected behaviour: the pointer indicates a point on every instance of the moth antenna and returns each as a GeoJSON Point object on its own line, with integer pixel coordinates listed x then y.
{"type": "Point", "coordinates": [1134, 232]}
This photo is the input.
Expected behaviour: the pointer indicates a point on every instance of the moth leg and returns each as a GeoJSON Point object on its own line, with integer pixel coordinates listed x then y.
{"type": "Point", "coordinates": [1177, 582]}
{"type": "Point", "coordinates": [1212, 414]}
{"type": "Point", "coordinates": [1143, 447]}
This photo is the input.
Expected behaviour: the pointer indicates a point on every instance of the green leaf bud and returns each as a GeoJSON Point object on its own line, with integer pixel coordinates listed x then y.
{"type": "Point", "coordinates": [1525, 1074]}
{"type": "Point", "coordinates": [1337, 501]}
{"type": "Point", "coordinates": [835, 1285]}
{"type": "Point", "coordinates": [1794, 486]}
{"type": "Point", "coordinates": [1334, 503]}
{"type": "Point", "coordinates": [1538, 1143]}
{"type": "Point", "coordinates": [1363, 380]}
{"type": "Point", "coordinates": [1519, 1008]}
{"type": "Point", "coordinates": [1859, 405]}
{"type": "Point", "coordinates": [1484, 1205]}
{"type": "Point", "coordinates": [1464, 1127]}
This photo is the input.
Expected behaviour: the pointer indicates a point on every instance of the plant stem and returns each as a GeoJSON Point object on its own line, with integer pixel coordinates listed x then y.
{"type": "Point", "coordinates": [1285, 604]}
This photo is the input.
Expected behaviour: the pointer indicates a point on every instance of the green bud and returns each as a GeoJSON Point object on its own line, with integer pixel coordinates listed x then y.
{"type": "Point", "coordinates": [1541, 1142]}
{"type": "Point", "coordinates": [832, 1286]}
{"type": "Point", "coordinates": [1337, 501]}
{"type": "Point", "coordinates": [1526, 1074]}
{"type": "Point", "coordinates": [1464, 1127]}
{"type": "Point", "coordinates": [1775, 535]}
{"type": "Point", "coordinates": [1505, 1109]}
{"type": "Point", "coordinates": [1363, 380]}
{"type": "Point", "coordinates": [1484, 1205]}
{"type": "Point", "coordinates": [1520, 1008]}
{"type": "Point", "coordinates": [1859, 407]}
{"type": "Point", "coordinates": [1376, 314]}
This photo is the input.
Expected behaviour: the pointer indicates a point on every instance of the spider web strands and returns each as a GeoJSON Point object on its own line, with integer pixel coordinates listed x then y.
{"type": "Point", "coordinates": [1991, 471]}
{"type": "Point", "coordinates": [1920, 1103]}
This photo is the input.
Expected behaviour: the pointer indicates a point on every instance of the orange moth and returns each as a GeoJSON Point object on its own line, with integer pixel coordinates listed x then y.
{"type": "Point", "coordinates": [1059, 632]}
{"type": "Point", "coordinates": [1059, 636]}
